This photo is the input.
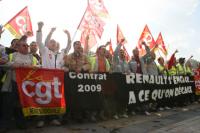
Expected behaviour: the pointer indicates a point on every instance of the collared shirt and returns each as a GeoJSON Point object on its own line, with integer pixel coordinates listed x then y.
{"type": "Point", "coordinates": [75, 63]}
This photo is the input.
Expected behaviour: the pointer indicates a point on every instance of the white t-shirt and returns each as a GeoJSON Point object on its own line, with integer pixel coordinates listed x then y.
{"type": "Point", "coordinates": [50, 59]}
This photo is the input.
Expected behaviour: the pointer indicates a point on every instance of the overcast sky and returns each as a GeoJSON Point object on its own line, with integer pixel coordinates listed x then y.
{"type": "Point", "coordinates": [178, 20]}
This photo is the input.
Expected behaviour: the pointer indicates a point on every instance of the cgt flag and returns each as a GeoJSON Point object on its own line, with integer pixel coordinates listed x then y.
{"type": "Point", "coordinates": [98, 8]}
{"type": "Point", "coordinates": [20, 23]}
{"type": "Point", "coordinates": [91, 22]}
{"type": "Point", "coordinates": [161, 45]}
{"type": "Point", "coordinates": [120, 37]}
{"type": "Point", "coordinates": [147, 37]}
{"type": "Point", "coordinates": [41, 91]}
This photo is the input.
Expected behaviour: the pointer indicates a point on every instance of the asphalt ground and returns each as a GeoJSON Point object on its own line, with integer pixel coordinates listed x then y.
{"type": "Point", "coordinates": [178, 120]}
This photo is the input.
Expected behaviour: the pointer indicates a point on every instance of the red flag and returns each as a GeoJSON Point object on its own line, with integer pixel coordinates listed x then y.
{"type": "Point", "coordinates": [127, 55]}
{"type": "Point", "coordinates": [120, 36]}
{"type": "Point", "coordinates": [41, 91]}
{"type": "Point", "coordinates": [92, 38]}
{"type": "Point", "coordinates": [98, 8]}
{"type": "Point", "coordinates": [147, 37]}
{"type": "Point", "coordinates": [91, 22]}
{"type": "Point", "coordinates": [20, 23]}
{"type": "Point", "coordinates": [161, 44]}
{"type": "Point", "coordinates": [110, 48]}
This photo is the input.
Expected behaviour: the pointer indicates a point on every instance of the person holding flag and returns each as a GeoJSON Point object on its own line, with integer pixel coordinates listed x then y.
{"type": "Point", "coordinates": [119, 60]}
{"type": "Point", "coordinates": [120, 65]}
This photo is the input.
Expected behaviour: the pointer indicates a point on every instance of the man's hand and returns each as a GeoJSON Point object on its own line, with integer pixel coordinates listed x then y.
{"type": "Point", "coordinates": [28, 34]}
{"type": "Point", "coordinates": [122, 41]}
{"type": "Point", "coordinates": [40, 25]}
{"type": "Point", "coordinates": [53, 29]}
{"type": "Point", "coordinates": [143, 43]}
{"type": "Point", "coordinates": [87, 37]}
{"type": "Point", "coordinates": [108, 43]}
{"type": "Point", "coordinates": [176, 51]}
{"type": "Point", "coordinates": [66, 31]}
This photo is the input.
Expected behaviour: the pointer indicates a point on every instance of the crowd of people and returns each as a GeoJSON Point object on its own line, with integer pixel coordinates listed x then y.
{"type": "Point", "coordinates": [48, 55]}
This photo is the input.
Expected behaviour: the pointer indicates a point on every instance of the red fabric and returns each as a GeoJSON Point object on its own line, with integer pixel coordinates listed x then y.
{"type": "Point", "coordinates": [139, 69]}
{"type": "Point", "coordinates": [38, 89]}
{"type": "Point", "coordinates": [110, 48]}
{"type": "Point", "coordinates": [148, 38]}
{"type": "Point", "coordinates": [197, 81]}
{"type": "Point", "coordinates": [171, 61]}
{"type": "Point", "coordinates": [98, 8]}
{"type": "Point", "coordinates": [20, 23]}
{"type": "Point", "coordinates": [101, 65]}
{"type": "Point", "coordinates": [91, 22]}
{"type": "Point", "coordinates": [92, 38]}
{"type": "Point", "coordinates": [161, 44]}
{"type": "Point", "coordinates": [120, 36]}
{"type": "Point", "coordinates": [127, 55]}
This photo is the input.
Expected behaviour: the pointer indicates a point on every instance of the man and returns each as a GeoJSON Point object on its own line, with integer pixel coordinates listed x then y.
{"type": "Point", "coordinates": [120, 65]}
{"type": "Point", "coordinates": [149, 60]}
{"type": "Point", "coordinates": [172, 69]}
{"type": "Point", "coordinates": [181, 67]}
{"type": "Point", "coordinates": [33, 51]}
{"type": "Point", "coordinates": [136, 64]}
{"type": "Point", "coordinates": [77, 61]}
{"type": "Point", "coordinates": [50, 59]}
{"type": "Point", "coordinates": [49, 52]}
{"type": "Point", "coordinates": [99, 63]}
{"type": "Point", "coordinates": [11, 104]}
{"type": "Point", "coordinates": [119, 60]}
{"type": "Point", "coordinates": [162, 67]}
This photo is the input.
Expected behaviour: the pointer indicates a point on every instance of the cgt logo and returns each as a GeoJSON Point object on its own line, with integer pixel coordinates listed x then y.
{"type": "Point", "coordinates": [43, 90]}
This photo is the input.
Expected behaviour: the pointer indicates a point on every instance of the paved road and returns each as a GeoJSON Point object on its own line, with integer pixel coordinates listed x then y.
{"type": "Point", "coordinates": [171, 121]}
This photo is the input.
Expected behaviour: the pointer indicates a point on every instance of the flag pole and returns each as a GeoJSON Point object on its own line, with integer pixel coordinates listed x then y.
{"type": "Point", "coordinates": [79, 25]}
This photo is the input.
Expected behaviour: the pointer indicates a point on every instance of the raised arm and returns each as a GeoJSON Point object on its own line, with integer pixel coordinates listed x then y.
{"type": "Point", "coordinates": [148, 51]}
{"type": "Point", "coordinates": [1, 30]}
{"type": "Point", "coordinates": [116, 52]}
{"type": "Point", "coordinates": [69, 42]}
{"type": "Point", "coordinates": [48, 38]}
{"type": "Point", "coordinates": [171, 60]}
{"type": "Point", "coordinates": [39, 36]}
{"type": "Point", "coordinates": [86, 47]}
{"type": "Point", "coordinates": [107, 44]}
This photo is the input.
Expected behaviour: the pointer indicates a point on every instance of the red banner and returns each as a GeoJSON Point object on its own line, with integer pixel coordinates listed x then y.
{"type": "Point", "coordinates": [197, 81]}
{"type": "Point", "coordinates": [41, 91]}
{"type": "Point", "coordinates": [20, 23]}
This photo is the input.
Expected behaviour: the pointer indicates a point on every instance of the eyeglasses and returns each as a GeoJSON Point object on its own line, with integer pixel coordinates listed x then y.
{"type": "Point", "coordinates": [24, 45]}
